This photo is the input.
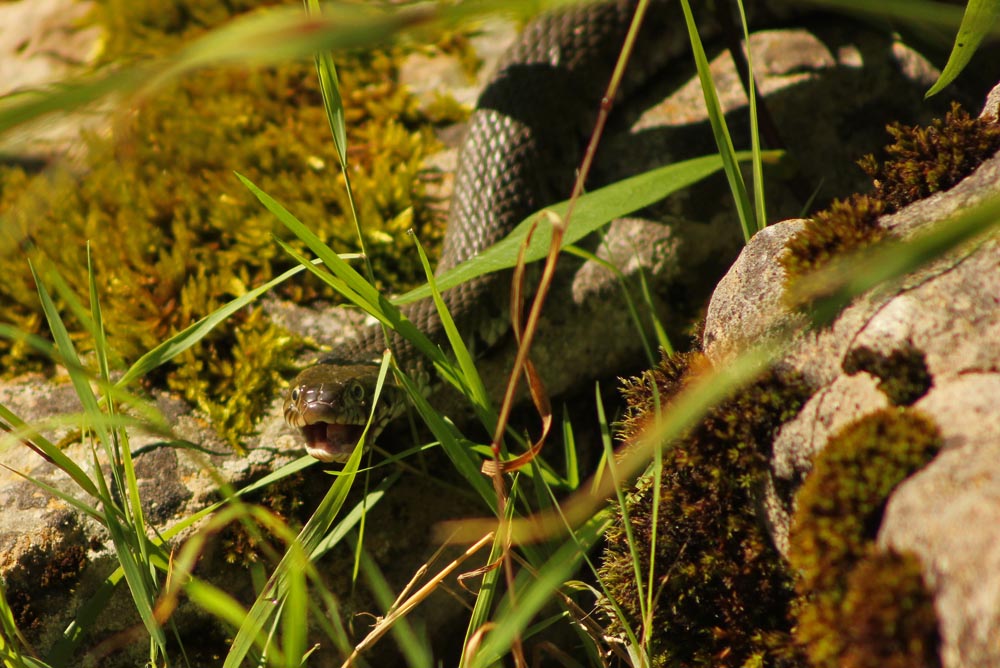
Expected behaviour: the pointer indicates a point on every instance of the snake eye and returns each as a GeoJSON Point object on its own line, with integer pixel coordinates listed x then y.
{"type": "Point", "coordinates": [294, 396]}
{"type": "Point", "coordinates": [356, 392]}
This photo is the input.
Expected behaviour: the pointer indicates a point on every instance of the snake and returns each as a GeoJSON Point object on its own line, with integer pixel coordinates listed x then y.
{"type": "Point", "coordinates": [523, 142]}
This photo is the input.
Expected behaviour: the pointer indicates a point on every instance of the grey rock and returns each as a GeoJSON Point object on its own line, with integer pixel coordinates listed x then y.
{"type": "Point", "coordinates": [681, 260]}
{"type": "Point", "coordinates": [947, 514]}
{"type": "Point", "coordinates": [41, 42]}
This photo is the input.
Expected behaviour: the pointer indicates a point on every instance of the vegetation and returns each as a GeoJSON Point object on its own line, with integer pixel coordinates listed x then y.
{"type": "Point", "coordinates": [839, 511]}
{"type": "Point", "coordinates": [919, 161]}
{"type": "Point", "coordinates": [187, 236]}
{"type": "Point", "coordinates": [721, 594]}
{"type": "Point", "coordinates": [198, 253]}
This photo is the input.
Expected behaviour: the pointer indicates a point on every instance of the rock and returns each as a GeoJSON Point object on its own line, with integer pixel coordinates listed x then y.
{"type": "Point", "coordinates": [41, 42]}
{"type": "Point", "coordinates": [680, 260]}
{"type": "Point", "coordinates": [930, 340]}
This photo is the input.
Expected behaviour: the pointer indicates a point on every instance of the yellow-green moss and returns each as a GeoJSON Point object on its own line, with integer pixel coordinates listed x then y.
{"type": "Point", "coordinates": [919, 161]}
{"type": "Point", "coordinates": [903, 375]}
{"type": "Point", "coordinates": [839, 512]}
{"type": "Point", "coordinates": [724, 594]}
{"type": "Point", "coordinates": [890, 613]}
{"type": "Point", "coordinates": [174, 234]}
{"type": "Point", "coordinates": [925, 160]}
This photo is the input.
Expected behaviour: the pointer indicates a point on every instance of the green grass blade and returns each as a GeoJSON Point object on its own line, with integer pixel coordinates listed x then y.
{"type": "Point", "coordinates": [215, 601]}
{"type": "Point", "coordinates": [11, 422]}
{"type": "Point", "coordinates": [978, 21]}
{"type": "Point", "coordinates": [69, 499]}
{"type": "Point", "coordinates": [593, 210]}
{"type": "Point", "coordinates": [619, 487]}
{"type": "Point", "coordinates": [416, 650]}
{"type": "Point", "coordinates": [352, 518]}
{"type": "Point", "coordinates": [630, 305]}
{"type": "Point", "coordinates": [329, 87]}
{"type": "Point", "coordinates": [847, 277]}
{"type": "Point", "coordinates": [266, 37]}
{"type": "Point", "coordinates": [358, 290]}
{"type": "Point", "coordinates": [60, 334]}
{"type": "Point", "coordinates": [512, 622]}
{"type": "Point", "coordinates": [472, 384]}
{"type": "Point", "coordinates": [719, 129]}
{"type": "Point", "coordinates": [760, 201]}
{"type": "Point", "coordinates": [455, 447]}
{"type": "Point", "coordinates": [572, 479]}
{"type": "Point", "coordinates": [485, 596]}
{"type": "Point", "coordinates": [294, 614]}
{"type": "Point", "coordinates": [310, 536]}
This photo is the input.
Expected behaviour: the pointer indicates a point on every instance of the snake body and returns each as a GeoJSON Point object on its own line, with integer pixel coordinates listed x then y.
{"type": "Point", "coordinates": [523, 142]}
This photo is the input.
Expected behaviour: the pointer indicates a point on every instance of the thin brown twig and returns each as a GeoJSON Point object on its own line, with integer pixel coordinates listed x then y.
{"type": "Point", "coordinates": [404, 608]}
{"type": "Point", "coordinates": [521, 361]}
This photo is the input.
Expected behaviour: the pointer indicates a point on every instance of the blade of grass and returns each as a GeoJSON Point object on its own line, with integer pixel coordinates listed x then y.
{"type": "Point", "coordinates": [416, 650]}
{"type": "Point", "coordinates": [333, 103]}
{"type": "Point", "coordinates": [511, 622]}
{"type": "Point", "coordinates": [593, 210]}
{"type": "Point", "coordinates": [472, 384]}
{"type": "Point", "coordinates": [760, 202]}
{"type": "Point", "coordinates": [124, 536]}
{"type": "Point", "coordinates": [978, 21]}
{"type": "Point", "coordinates": [309, 537]}
{"type": "Point", "coordinates": [619, 487]}
{"type": "Point", "coordinates": [350, 283]}
{"type": "Point", "coordinates": [195, 332]}
{"type": "Point", "coordinates": [47, 449]}
{"type": "Point", "coordinates": [723, 141]}
{"type": "Point", "coordinates": [455, 447]}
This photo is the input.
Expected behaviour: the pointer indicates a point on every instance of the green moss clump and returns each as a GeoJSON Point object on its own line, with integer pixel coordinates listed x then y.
{"type": "Point", "coordinates": [926, 160]}
{"type": "Point", "coordinates": [892, 621]}
{"type": "Point", "coordinates": [919, 161]}
{"type": "Point", "coordinates": [903, 374]}
{"type": "Point", "coordinates": [723, 594]}
{"type": "Point", "coordinates": [846, 226]}
{"type": "Point", "coordinates": [839, 512]}
{"type": "Point", "coordinates": [174, 235]}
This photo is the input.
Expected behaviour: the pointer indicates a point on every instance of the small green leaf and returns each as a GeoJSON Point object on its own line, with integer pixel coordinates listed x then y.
{"type": "Point", "coordinates": [978, 21]}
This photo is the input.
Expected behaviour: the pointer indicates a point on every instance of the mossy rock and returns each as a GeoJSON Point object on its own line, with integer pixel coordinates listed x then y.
{"type": "Point", "coordinates": [723, 594]}
{"type": "Point", "coordinates": [838, 517]}
{"type": "Point", "coordinates": [173, 234]}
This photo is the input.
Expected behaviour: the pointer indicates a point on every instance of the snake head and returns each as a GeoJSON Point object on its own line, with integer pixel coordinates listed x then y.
{"type": "Point", "coordinates": [330, 404]}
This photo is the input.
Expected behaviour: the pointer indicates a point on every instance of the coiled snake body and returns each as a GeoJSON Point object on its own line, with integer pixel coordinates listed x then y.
{"type": "Point", "coordinates": [524, 140]}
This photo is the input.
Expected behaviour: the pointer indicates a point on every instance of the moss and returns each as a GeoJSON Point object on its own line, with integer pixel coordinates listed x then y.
{"type": "Point", "coordinates": [890, 615]}
{"type": "Point", "coordinates": [926, 160]}
{"type": "Point", "coordinates": [919, 162]}
{"type": "Point", "coordinates": [846, 226]}
{"type": "Point", "coordinates": [245, 544]}
{"type": "Point", "coordinates": [723, 594]}
{"type": "Point", "coordinates": [175, 236]}
{"type": "Point", "coordinates": [840, 509]}
{"type": "Point", "coordinates": [903, 374]}
{"type": "Point", "coordinates": [39, 581]}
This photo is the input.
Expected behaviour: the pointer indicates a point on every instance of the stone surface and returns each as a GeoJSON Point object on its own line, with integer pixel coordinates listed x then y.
{"type": "Point", "coordinates": [41, 42]}
{"type": "Point", "coordinates": [681, 261]}
{"type": "Point", "coordinates": [949, 310]}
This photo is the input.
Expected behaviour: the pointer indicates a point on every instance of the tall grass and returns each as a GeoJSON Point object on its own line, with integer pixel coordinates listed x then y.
{"type": "Point", "coordinates": [538, 545]}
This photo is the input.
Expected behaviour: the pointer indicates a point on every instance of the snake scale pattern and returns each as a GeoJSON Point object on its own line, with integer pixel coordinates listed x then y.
{"type": "Point", "coordinates": [524, 140]}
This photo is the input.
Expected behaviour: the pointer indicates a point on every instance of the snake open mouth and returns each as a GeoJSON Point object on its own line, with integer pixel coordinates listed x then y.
{"type": "Point", "coordinates": [330, 442]}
